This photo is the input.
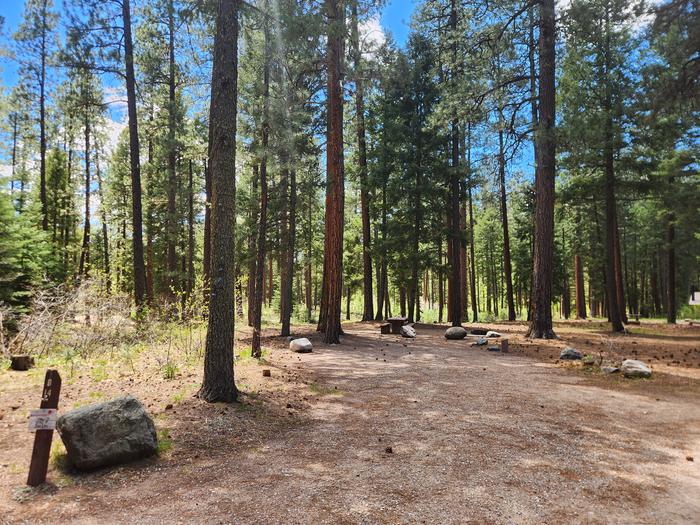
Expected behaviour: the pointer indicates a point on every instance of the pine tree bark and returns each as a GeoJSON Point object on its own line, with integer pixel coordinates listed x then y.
{"type": "Point", "coordinates": [105, 238]}
{"type": "Point", "coordinates": [85, 249]}
{"type": "Point", "coordinates": [335, 193]}
{"type": "Point", "coordinates": [580, 292]}
{"type": "Point", "coordinates": [289, 262]}
{"type": "Point", "coordinates": [206, 255]}
{"type": "Point", "coordinates": [171, 216]}
{"type": "Point", "coordinates": [139, 268]}
{"type": "Point", "coordinates": [507, 266]}
{"type": "Point", "coordinates": [42, 120]}
{"type": "Point", "coordinates": [256, 349]}
{"type": "Point", "coordinates": [671, 266]}
{"type": "Point", "coordinates": [454, 284]}
{"type": "Point", "coordinates": [252, 244]}
{"type": "Point", "coordinates": [545, 173]}
{"type": "Point", "coordinates": [218, 384]}
{"type": "Point", "coordinates": [368, 301]}
{"type": "Point", "coordinates": [190, 231]}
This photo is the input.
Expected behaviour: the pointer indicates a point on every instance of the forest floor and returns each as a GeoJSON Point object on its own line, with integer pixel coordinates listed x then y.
{"type": "Point", "coordinates": [382, 429]}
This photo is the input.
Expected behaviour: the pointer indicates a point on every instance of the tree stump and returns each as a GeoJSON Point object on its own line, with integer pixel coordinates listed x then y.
{"type": "Point", "coordinates": [504, 346]}
{"type": "Point", "coordinates": [21, 362]}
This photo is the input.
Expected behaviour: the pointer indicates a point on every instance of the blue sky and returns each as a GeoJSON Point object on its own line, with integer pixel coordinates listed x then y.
{"type": "Point", "coordinates": [395, 18]}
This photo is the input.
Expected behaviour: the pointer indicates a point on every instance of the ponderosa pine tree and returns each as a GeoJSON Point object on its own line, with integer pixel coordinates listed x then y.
{"type": "Point", "coordinates": [541, 310]}
{"type": "Point", "coordinates": [35, 48]}
{"type": "Point", "coordinates": [329, 320]}
{"type": "Point", "coordinates": [218, 383]}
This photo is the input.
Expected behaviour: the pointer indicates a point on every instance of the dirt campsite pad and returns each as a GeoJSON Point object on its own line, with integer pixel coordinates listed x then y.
{"type": "Point", "coordinates": [382, 429]}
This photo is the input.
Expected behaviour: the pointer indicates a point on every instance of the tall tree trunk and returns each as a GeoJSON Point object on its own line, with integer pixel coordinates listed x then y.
{"type": "Point", "coordinates": [289, 262]}
{"type": "Point", "coordinates": [252, 245]}
{"type": "Point", "coordinates": [85, 249]}
{"type": "Point", "coordinates": [190, 232]}
{"type": "Point", "coordinates": [507, 267]}
{"type": "Point", "coordinates": [545, 173]}
{"type": "Point", "coordinates": [218, 384]}
{"type": "Point", "coordinates": [258, 298]}
{"type": "Point", "coordinates": [381, 273]}
{"type": "Point", "coordinates": [137, 226]}
{"type": "Point", "coordinates": [283, 193]}
{"type": "Point", "coordinates": [368, 301]}
{"type": "Point", "coordinates": [171, 216]}
{"type": "Point", "coordinates": [103, 216]}
{"type": "Point", "coordinates": [42, 120]}
{"type": "Point", "coordinates": [580, 292]}
{"type": "Point", "coordinates": [335, 192]}
{"type": "Point", "coordinates": [619, 280]}
{"type": "Point", "coordinates": [455, 281]}
{"type": "Point", "coordinates": [206, 255]}
{"type": "Point", "coordinates": [671, 266]}
{"type": "Point", "coordinates": [472, 257]}
{"type": "Point", "coordinates": [150, 226]}
{"type": "Point", "coordinates": [566, 297]}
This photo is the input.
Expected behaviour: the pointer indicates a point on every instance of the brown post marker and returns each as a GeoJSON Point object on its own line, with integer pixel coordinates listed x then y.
{"type": "Point", "coordinates": [504, 346]}
{"type": "Point", "coordinates": [42, 439]}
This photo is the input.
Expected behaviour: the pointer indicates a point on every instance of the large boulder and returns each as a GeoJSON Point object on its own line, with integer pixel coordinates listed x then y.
{"type": "Point", "coordinates": [108, 433]}
{"type": "Point", "coordinates": [455, 332]}
{"type": "Point", "coordinates": [633, 368]}
{"type": "Point", "coordinates": [570, 354]}
{"type": "Point", "coordinates": [408, 331]}
{"type": "Point", "coordinates": [301, 345]}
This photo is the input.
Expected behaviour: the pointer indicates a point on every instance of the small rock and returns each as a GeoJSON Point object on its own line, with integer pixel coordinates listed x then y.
{"type": "Point", "coordinates": [480, 342]}
{"type": "Point", "coordinates": [570, 354]}
{"type": "Point", "coordinates": [408, 331]}
{"type": "Point", "coordinates": [494, 349]}
{"type": "Point", "coordinates": [169, 406]}
{"type": "Point", "coordinates": [689, 458]}
{"type": "Point", "coordinates": [492, 333]}
{"type": "Point", "coordinates": [610, 370]}
{"type": "Point", "coordinates": [632, 368]}
{"type": "Point", "coordinates": [301, 345]}
{"type": "Point", "coordinates": [266, 372]}
{"type": "Point", "coordinates": [455, 332]}
{"type": "Point", "coordinates": [389, 450]}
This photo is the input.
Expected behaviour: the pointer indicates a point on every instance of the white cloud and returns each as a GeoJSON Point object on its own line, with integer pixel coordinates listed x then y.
{"type": "Point", "coordinates": [113, 129]}
{"type": "Point", "coordinates": [371, 35]}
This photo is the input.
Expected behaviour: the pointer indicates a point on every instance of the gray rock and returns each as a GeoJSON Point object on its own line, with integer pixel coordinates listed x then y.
{"type": "Point", "coordinates": [455, 332]}
{"type": "Point", "coordinates": [108, 433]}
{"type": "Point", "coordinates": [492, 333]}
{"type": "Point", "coordinates": [610, 370]}
{"type": "Point", "coordinates": [633, 368]}
{"type": "Point", "coordinates": [494, 348]}
{"type": "Point", "coordinates": [480, 342]}
{"type": "Point", "coordinates": [301, 345]}
{"type": "Point", "coordinates": [570, 354]}
{"type": "Point", "coordinates": [408, 331]}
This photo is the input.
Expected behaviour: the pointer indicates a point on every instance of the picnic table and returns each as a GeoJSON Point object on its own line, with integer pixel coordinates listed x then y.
{"type": "Point", "coordinates": [396, 324]}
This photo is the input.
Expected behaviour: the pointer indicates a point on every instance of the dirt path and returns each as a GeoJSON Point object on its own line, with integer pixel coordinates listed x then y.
{"type": "Point", "coordinates": [474, 436]}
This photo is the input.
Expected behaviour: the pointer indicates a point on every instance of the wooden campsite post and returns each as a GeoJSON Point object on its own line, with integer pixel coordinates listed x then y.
{"type": "Point", "coordinates": [44, 433]}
